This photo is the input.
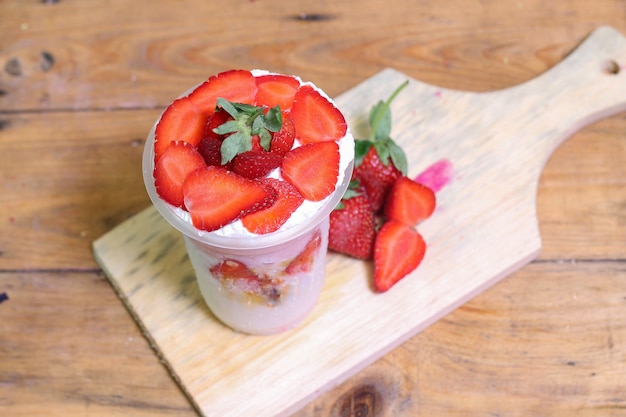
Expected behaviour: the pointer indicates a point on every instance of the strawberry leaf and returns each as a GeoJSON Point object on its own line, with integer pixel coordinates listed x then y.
{"type": "Point", "coordinates": [360, 150]}
{"type": "Point", "coordinates": [257, 125]}
{"type": "Point", "coordinates": [380, 124]}
{"type": "Point", "coordinates": [229, 127]}
{"type": "Point", "coordinates": [248, 120]}
{"type": "Point", "coordinates": [398, 157]}
{"type": "Point", "coordinates": [233, 145]}
{"type": "Point", "coordinates": [382, 149]}
{"type": "Point", "coordinates": [265, 139]}
{"type": "Point", "coordinates": [273, 119]}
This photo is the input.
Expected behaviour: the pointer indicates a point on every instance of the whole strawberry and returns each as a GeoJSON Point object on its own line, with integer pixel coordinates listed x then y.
{"type": "Point", "coordinates": [353, 226]}
{"type": "Point", "coordinates": [377, 178]}
{"type": "Point", "coordinates": [379, 161]}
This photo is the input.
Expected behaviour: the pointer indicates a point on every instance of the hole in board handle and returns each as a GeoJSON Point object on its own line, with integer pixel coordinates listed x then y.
{"type": "Point", "coordinates": [611, 67]}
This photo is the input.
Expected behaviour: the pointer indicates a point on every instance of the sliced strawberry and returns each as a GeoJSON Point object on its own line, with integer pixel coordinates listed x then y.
{"type": "Point", "coordinates": [214, 121]}
{"type": "Point", "coordinates": [353, 228]}
{"type": "Point", "coordinates": [235, 274]}
{"type": "Point", "coordinates": [181, 121]}
{"type": "Point", "coordinates": [306, 259]}
{"type": "Point", "coordinates": [255, 164]}
{"type": "Point", "coordinates": [376, 177]}
{"type": "Point", "coordinates": [282, 141]}
{"type": "Point", "coordinates": [276, 90]}
{"type": "Point", "coordinates": [316, 119]}
{"type": "Point", "coordinates": [171, 170]}
{"type": "Point", "coordinates": [237, 86]}
{"type": "Point", "coordinates": [398, 250]}
{"type": "Point", "coordinates": [409, 202]}
{"type": "Point", "coordinates": [313, 169]}
{"type": "Point", "coordinates": [272, 218]}
{"type": "Point", "coordinates": [216, 197]}
{"type": "Point", "coordinates": [232, 269]}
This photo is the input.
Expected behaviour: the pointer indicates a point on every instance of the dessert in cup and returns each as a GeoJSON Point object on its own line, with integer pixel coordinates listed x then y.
{"type": "Point", "coordinates": [248, 166]}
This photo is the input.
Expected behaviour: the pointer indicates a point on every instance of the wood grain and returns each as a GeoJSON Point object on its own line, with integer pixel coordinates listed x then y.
{"type": "Point", "coordinates": [116, 63]}
{"type": "Point", "coordinates": [495, 141]}
{"type": "Point", "coordinates": [72, 193]}
{"type": "Point", "coordinates": [73, 365]}
{"type": "Point", "coordinates": [117, 54]}
{"type": "Point", "coordinates": [479, 361]}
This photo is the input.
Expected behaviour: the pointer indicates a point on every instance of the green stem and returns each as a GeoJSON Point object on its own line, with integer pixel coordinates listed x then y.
{"type": "Point", "coordinates": [382, 113]}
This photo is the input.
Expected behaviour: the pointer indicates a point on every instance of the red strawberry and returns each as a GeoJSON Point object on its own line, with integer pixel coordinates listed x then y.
{"type": "Point", "coordinates": [272, 218]}
{"type": "Point", "coordinates": [409, 202]}
{"type": "Point", "coordinates": [306, 259]}
{"type": "Point", "coordinates": [209, 148]}
{"type": "Point", "coordinates": [276, 90]}
{"type": "Point", "coordinates": [398, 250]}
{"type": "Point", "coordinates": [172, 168]}
{"type": "Point", "coordinates": [237, 86]}
{"type": "Point", "coordinates": [313, 169]}
{"type": "Point", "coordinates": [376, 177]}
{"type": "Point", "coordinates": [255, 164]}
{"type": "Point", "coordinates": [215, 120]}
{"type": "Point", "coordinates": [234, 273]}
{"type": "Point", "coordinates": [282, 141]}
{"type": "Point", "coordinates": [316, 119]}
{"type": "Point", "coordinates": [216, 197]}
{"type": "Point", "coordinates": [256, 143]}
{"type": "Point", "coordinates": [232, 269]}
{"type": "Point", "coordinates": [353, 228]}
{"type": "Point", "coordinates": [181, 121]}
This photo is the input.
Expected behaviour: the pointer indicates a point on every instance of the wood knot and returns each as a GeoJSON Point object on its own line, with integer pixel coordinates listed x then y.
{"type": "Point", "coordinates": [313, 17]}
{"type": "Point", "coordinates": [46, 61]}
{"type": "Point", "coordinates": [13, 67]}
{"type": "Point", "coordinates": [362, 401]}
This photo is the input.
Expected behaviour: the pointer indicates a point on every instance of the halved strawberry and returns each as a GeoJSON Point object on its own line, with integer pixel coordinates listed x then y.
{"type": "Point", "coordinates": [214, 121]}
{"type": "Point", "coordinates": [237, 86]}
{"type": "Point", "coordinates": [276, 90]}
{"type": "Point", "coordinates": [313, 169]}
{"type": "Point", "coordinates": [282, 141]}
{"type": "Point", "coordinates": [255, 164]}
{"type": "Point", "coordinates": [306, 259]}
{"type": "Point", "coordinates": [409, 202]}
{"type": "Point", "coordinates": [216, 197]}
{"type": "Point", "coordinates": [398, 250]}
{"type": "Point", "coordinates": [235, 274]}
{"type": "Point", "coordinates": [272, 218]}
{"type": "Point", "coordinates": [316, 119]}
{"type": "Point", "coordinates": [376, 177]}
{"type": "Point", "coordinates": [181, 121]}
{"type": "Point", "coordinates": [353, 228]}
{"type": "Point", "coordinates": [232, 269]}
{"type": "Point", "coordinates": [172, 168]}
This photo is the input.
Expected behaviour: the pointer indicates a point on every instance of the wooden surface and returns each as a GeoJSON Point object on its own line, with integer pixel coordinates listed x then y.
{"type": "Point", "coordinates": [496, 141]}
{"type": "Point", "coordinates": [81, 84]}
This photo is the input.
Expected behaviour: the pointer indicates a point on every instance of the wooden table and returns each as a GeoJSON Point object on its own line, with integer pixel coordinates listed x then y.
{"type": "Point", "coordinates": [80, 86]}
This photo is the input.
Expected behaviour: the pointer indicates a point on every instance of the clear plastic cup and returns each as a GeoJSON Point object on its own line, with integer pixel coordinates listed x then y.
{"type": "Point", "coordinates": [257, 284]}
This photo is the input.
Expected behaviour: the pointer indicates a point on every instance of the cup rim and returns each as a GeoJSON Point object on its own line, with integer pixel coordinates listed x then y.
{"type": "Point", "coordinates": [279, 237]}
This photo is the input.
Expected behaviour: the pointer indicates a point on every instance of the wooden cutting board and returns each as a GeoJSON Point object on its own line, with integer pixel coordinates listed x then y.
{"type": "Point", "coordinates": [487, 150]}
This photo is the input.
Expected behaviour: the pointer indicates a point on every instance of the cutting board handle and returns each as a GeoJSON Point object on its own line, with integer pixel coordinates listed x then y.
{"type": "Point", "coordinates": [588, 85]}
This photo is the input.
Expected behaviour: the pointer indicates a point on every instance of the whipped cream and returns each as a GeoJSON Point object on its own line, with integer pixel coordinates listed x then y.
{"type": "Point", "coordinates": [308, 208]}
